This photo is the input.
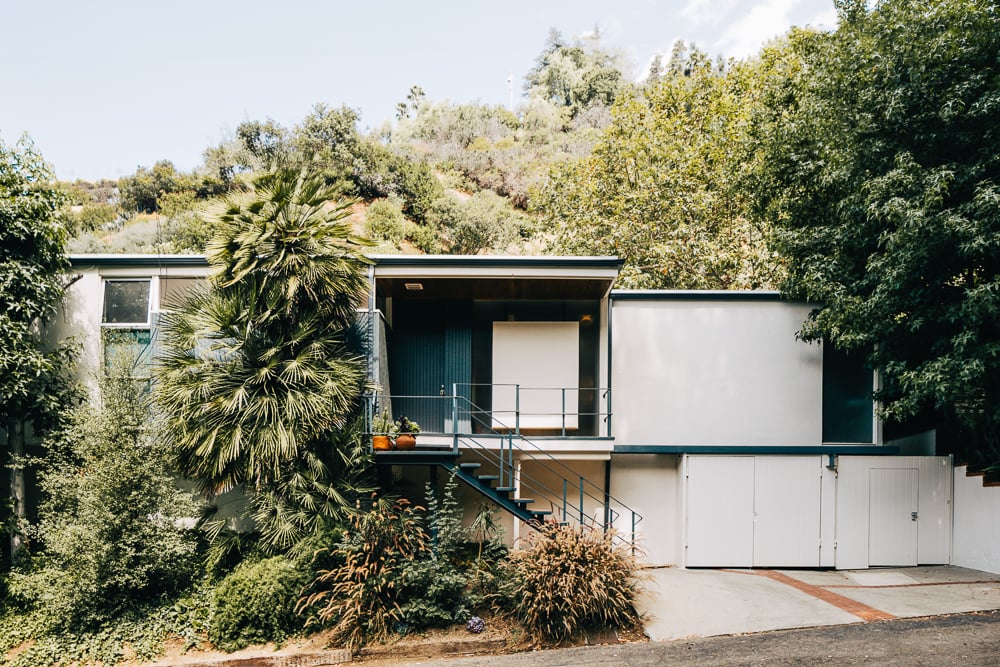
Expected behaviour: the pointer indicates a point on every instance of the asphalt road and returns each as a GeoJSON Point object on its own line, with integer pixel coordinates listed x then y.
{"type": "Point", "coordinates": [960, 639]}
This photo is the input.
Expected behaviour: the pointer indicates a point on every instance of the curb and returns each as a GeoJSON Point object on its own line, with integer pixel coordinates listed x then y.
{"type": "Point", "coordinates": [325, 659]}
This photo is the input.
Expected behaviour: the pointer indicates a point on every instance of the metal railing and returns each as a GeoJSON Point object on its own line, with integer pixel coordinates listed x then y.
{"type": "Point", "coordinates": [473, 434]}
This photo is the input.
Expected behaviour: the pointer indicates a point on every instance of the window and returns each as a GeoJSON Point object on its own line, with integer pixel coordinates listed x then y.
{"type": "Point", "coordinates": [127, 335]}
{"type": "Point", "coordinates": [172, 290]}
{"type": "Point", "coordinates": [126, 302]}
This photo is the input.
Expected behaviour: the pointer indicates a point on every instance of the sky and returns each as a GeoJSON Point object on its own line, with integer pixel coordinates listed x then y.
{"type": "Point", "coordinates": [105, 86]}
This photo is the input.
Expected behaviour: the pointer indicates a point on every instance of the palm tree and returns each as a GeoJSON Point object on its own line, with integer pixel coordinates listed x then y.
{"type": "Point", "coordinates": [257, 375]}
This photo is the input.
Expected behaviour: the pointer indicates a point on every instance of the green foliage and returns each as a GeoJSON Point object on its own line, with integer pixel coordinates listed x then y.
{"type": "Point", "coordinates": [424, 237]}
{"type": "Point", "coordinates": [482, 222]}
{"type": "Point", "coordinates": [385, 220]}
{"type": "Point", "coordinates": [400, 569]}
{"type": "Point", "coordinates": [360, 598]}
{"type": "Point", "coordinates": [34, 376]}
{"type": "Point", "coordinates": [138, 634]}
{"type": "Point", "coordinates": [879, 167]}
{"type": "Point", "coordinates": [109, 525]}
{"type": "Point", "coordinates": [255, 604]}
{"type": "Point", "coordinates": [92, 216]}
{"type": "Point", "coordinates": [575, 74]}
{"type": "Point", "coordinates": [143, 191]}
{"type": "Point", "coordinates": [567, 579]}
{"type": "Point", "coordinates": [662, 190]}
{"type": "Point", "coordinates": [260, 374]}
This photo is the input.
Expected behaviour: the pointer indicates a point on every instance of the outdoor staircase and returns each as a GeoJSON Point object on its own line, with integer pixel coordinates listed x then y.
{"type": "Point", "coordinates": [485, 462]}
{"type": "Point", "coordinates": [500, 495]}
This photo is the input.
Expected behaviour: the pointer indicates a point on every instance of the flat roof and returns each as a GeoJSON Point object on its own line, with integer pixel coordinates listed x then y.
{"type": "Point", "coordinates": [696, 295]}
{"type": "Point", "coordinates": [506, 261]}
{"type": "Point", "coordinates": [137, 260]}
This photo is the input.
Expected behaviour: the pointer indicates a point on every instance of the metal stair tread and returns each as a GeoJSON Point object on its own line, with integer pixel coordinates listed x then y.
{"type": "Point", "coordinates": [487, 478]}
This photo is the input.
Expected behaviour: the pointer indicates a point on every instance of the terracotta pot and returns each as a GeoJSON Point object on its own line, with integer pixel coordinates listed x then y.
{"type": "Point", "coordinates": [381, 443]}
{"type": "Point", "coordinates": [406, 441]}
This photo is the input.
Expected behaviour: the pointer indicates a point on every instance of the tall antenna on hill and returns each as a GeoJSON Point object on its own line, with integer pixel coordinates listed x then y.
{"type": "Point", "coordinates": [510, 92]}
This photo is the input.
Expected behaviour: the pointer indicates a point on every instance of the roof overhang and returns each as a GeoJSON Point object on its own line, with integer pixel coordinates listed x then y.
{"type": "Point", "coordinates": [495, 277]}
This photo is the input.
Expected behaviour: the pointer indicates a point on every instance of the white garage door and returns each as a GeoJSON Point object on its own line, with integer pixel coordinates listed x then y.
{"type": "Point", "coordinates": [753, 511]}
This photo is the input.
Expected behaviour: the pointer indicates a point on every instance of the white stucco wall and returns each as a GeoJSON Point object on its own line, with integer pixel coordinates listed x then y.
{"type": "Point", "coordinates": [79, 319]}
{"type": "Point", "coordinates": [976, 542]}
{"type": "Point", "coordinates": [714, 372]}
{"type": "Point", "coordinates": [649, 484]}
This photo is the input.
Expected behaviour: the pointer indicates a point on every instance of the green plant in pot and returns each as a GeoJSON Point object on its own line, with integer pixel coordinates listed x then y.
{"type": "Point", "coordinates": [407, 430]}
{"type": "Point", "coordinates": [384, 430]}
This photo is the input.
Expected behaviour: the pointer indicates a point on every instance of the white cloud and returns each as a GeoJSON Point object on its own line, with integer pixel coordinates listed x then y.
{"type": "Point", "coordinates": [745, 35]}
{"type": "Point", "coordinates": [700, 12]}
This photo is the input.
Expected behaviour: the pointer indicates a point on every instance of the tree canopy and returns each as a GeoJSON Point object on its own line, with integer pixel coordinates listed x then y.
{"type": "Point", "coordinates": [258, 376]}
{"type": "Point", "coordinates": [880, 171]}
{"type": "Point", "coordinates": [661, 188]}
{"type": "Point", "coordinates": [33, 382]}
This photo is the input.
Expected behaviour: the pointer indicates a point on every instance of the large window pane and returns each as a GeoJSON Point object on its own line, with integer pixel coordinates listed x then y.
{"type": "Point", "coordinates": [173, 290]}
{"type": "Point", "coordinates": [126, 302]}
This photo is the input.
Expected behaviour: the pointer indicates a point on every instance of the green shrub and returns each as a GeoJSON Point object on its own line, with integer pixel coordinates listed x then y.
{"type": "Point", "coordinates": [569, 579]}
{"type": "Point", "coordinates": [256, 604]}
{"type": "Point", "coordinates": [436, 590]}
{"type": "Point", "coordinates": [425, 237]}
{"type": "Point", "coordinates": [110, 533]}
{"type": "Point", "coordinates": [385, 220]}
{"type": "Point", "coordinates": [360, 597]}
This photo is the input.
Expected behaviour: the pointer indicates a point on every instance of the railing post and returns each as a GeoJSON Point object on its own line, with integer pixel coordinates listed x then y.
{"type": "Point", "coordinates": [581, 501]}
{"type": "Point", "coordinates": [565, 483]}
{"type": "Point", "coordinates": [454, 418]}
{"type": "Point", "coordinates": [607, 395]}
{"type": "Point", "coordinates": [633, 532]}
{"type": "Point", "coordinates": [564, 412]}
{"type": "Point", "coordinates": [517, 409]}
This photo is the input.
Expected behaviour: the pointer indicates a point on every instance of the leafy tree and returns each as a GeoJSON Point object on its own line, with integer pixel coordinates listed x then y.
{"type": "Point", "coordinates": [33, 376]}
{"type": "Point", "coordinates": [259, 375]}
{"type": "Point", "coordinates": [880, 169]}
{"type": "Point", "coordinates": [110, 523]}
{"type": "Point", "coordinates": [143, 191]}
{"type": "Point", "coordinates": [575, 74]}
{"type": "Point", "coordinates": [661, 188]}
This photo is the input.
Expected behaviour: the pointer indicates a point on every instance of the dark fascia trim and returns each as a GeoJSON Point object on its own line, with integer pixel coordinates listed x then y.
{"type": "Point", "coordinates": [859, 450]}
{"type": "Point", "coordinates": [463, 261]}
{"type": "Point", "coordinates": [142, 261]}
{"type": "Point", "coordinates": [696, 295]}
{"type": "Point", "coordinates": [513, 261]}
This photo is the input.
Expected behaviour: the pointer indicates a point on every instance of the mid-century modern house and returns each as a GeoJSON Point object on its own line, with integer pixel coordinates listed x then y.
{"type": "Point", "coordinates": [695, 423]}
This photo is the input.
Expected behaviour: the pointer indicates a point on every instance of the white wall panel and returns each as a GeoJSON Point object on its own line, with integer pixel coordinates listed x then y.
{"type": "Point", "coordinates": [649, 484]}
{"type": "Point", "coordinates": [541, 357]}
{"type": "Point", "coordinates": [977, 523]}
{"type": "Point", "coordinates": [720, 511]}
{"type": "Point", "coordinates": [714, 373]}
{"type": "Point", "coordinates": [854, 509]}
{"type": "Point", "coordinates": [787, 527]}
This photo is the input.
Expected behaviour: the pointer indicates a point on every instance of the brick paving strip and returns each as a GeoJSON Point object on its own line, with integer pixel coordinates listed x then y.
{"type": "Point", "coordinates": [859, 609]}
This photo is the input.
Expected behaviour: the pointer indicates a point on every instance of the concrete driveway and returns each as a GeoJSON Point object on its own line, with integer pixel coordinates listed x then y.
{"type": "Point", "coordinates": [682, 603]}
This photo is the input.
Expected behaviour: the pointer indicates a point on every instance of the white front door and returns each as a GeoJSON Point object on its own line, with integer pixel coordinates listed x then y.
{"type": "Point", "coordinates": [892, 517]}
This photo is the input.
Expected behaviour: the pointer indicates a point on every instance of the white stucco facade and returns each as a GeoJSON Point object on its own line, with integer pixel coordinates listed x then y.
{"type": "Point", "coordinates": [977, 523]}
{"type": "Point", "coordinates": [714, 372]}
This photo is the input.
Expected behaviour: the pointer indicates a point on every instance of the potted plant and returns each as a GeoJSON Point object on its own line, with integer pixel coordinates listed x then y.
{"type": "Point", "coordinates": [383, 431]}
{"type": "Point", "coordinates": [407, 433]}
